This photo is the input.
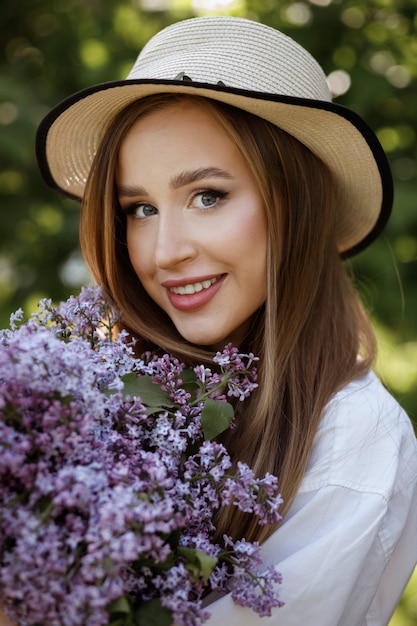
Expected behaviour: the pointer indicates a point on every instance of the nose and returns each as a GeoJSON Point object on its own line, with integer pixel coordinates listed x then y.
{"type": "Point", "coordinates": [175, 242]}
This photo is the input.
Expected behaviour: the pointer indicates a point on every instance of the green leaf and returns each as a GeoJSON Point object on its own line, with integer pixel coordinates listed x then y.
{"type": "Point", "coordinates": [151, 394]}
{"type": "Point", "coordinates": [152, 613]}
{"type": "Point", "coordinates": [215, 418]}
{"type": "Point", "coordinates": [157, 567]}
{"type": "Point", "coordinates": [119, 611]}
{"type": "Point", "coordinates": [189, 382]}
{"type": "Point", "coordinates": [198, 563]}
{"type": "Point", "coordinates": [44, 507]}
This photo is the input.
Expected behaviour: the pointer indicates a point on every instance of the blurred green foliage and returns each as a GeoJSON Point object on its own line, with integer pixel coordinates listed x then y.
{"type": "Point", "coordinates": [51, 48]}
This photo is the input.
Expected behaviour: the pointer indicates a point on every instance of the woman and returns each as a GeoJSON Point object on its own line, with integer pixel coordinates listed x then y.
{"type": "Point", "coordinates": [221, 189]}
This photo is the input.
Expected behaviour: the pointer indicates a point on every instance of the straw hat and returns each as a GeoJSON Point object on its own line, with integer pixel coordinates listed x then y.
{"type": "Point", "coordinates": [250, 66]}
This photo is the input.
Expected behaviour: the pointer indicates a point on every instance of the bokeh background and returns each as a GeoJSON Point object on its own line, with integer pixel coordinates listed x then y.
{"type": "Point", "coordinates": [368, 49]}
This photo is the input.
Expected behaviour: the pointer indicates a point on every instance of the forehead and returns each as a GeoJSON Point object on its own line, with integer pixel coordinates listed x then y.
{"type": "Point", "coordinates": [186, 131]}
{"type": "Point", "coordinates": [178, 114]}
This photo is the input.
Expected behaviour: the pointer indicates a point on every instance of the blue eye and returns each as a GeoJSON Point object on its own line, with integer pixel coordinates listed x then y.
{"type": "Point", "coordinates": [208, 198]}
{"type": "Point", "coordinates": [141, 211]}
{"type": "Point", "coordinates": [146, 210]}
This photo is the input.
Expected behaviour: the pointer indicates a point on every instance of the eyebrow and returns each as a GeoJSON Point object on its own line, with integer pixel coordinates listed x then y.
{"type": "Point", "coordinates": [192, 176]}
{"type": "Point", "coordinates": [179, 180]}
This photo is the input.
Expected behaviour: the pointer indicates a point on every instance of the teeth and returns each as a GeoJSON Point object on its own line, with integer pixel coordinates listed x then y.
{"type": "Point", "coordinates": [187, 290]}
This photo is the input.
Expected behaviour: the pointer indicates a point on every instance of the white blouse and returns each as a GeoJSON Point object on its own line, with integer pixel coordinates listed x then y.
{"type": "Point", "coordinates": [349, 543]}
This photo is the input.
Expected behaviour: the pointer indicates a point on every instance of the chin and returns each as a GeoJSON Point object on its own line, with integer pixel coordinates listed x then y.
{"type": "Point", "coordinates": [211, 344]}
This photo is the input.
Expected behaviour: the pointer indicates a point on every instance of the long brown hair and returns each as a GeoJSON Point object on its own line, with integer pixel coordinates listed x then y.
{"type": "Point", "coordinates": [312, 326]}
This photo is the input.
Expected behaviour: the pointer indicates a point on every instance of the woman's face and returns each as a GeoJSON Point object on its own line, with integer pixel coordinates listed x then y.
{"type": "Point", "coordinates": [196, 225]}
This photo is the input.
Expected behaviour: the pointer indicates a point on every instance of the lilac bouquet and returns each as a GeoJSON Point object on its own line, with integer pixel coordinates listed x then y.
{"type": "Point", "coordinates": [110, 477]}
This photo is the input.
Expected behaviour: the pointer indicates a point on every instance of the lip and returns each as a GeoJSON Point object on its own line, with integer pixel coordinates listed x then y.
{"type": "Point", "coordinates": [189, 302]}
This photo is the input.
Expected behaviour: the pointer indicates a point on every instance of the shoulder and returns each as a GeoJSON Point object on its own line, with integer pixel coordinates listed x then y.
{"type": "Point", "coordinates": [365, 441]}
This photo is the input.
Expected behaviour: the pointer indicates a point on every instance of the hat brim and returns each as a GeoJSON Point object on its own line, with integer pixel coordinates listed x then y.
{"type": "Point", "coordinates": [68, 138]}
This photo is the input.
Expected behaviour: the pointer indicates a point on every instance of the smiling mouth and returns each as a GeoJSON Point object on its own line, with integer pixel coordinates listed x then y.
{"type": "Point", "coordinates": [191, 288]}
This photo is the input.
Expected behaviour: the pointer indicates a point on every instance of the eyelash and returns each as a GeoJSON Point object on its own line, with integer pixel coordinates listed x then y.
{"type": "Point", "coordinates": [218, 194]}
{"type": "Point", "coordinates": [130, 209]}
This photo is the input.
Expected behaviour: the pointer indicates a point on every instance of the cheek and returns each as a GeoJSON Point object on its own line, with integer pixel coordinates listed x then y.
{"type": "Point", "coordinates": [254, 237]}
{"type": "Point", "coordinates": [251, 233]}
{"type": "Point", "coordinates": [138, 253]}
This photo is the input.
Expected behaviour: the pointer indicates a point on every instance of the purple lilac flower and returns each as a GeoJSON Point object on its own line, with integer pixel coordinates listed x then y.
{"type": "Point", "coordinates": [104, 497]}
{"type": "Point", "coordinates": [250, 494]}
